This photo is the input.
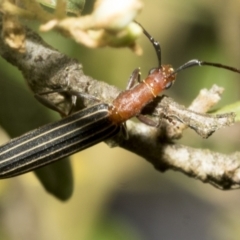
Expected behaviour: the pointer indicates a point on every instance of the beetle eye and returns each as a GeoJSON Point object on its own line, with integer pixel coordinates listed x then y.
{"type": "Point", "coordinates": [152, 70]}
{"type": "Point", "coordinates": [168, 85]}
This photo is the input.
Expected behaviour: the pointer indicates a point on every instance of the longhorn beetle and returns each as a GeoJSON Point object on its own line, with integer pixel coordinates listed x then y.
{"type": "Point", "coordinates": [92, 125]}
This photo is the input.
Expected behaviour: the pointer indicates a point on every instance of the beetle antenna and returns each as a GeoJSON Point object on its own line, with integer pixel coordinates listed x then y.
{"type": "Point", "coordinates": [195, 62]}
{"type": "Point", "coordinates": [155, 44]}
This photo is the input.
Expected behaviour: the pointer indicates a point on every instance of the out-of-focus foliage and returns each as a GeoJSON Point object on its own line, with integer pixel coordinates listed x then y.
{"type": "Point", "coordinates": [109, 24]}
{"type": "Point", "coordinates": [73, 6]}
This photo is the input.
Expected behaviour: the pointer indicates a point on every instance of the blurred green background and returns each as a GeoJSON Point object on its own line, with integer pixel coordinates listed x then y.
{"type": "Point", "coordinates": [117, 195]}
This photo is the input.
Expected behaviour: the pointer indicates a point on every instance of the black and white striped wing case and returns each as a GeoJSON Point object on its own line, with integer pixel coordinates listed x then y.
{"type": "Point", "coordinates": [56, 140]}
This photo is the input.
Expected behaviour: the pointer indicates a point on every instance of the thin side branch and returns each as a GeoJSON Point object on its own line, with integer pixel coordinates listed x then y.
{"type": "Point", "coordinates": [178, 118]}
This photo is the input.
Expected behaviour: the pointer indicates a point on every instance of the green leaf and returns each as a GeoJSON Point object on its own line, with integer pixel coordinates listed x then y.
{"type": "Point", "coordinates": [57, 179]}
{"type": "Point", "coordinates": [234, 107]}
{"type": "Point", "coordinates": [74, 7]}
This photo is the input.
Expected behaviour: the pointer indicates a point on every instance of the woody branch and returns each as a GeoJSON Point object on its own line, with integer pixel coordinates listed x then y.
{"type": "Point", "coordinates": [46, 69]}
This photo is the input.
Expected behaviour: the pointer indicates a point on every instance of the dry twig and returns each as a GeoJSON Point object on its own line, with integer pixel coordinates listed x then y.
{"type": "Point", "coordinates": [46, 69]}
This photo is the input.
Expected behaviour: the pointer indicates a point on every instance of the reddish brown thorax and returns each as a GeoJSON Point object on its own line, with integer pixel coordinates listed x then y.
{"type": "Point", "coordinates": [158, 79]}
{"type": "Point", "coordinates": [129, 103]}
